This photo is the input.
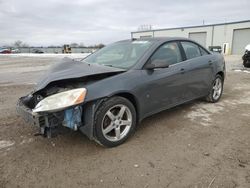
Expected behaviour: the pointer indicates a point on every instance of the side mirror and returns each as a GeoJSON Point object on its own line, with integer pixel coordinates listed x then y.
{"type": "Point", "coordinates": [157, 64]}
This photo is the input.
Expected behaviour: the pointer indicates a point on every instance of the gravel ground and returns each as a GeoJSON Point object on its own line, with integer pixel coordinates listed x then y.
{"type": "Point", "coordinates": [193, 145]}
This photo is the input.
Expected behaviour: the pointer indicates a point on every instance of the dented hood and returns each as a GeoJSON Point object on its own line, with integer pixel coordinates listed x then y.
{"type": "Point", "coordinates": [70, 69]}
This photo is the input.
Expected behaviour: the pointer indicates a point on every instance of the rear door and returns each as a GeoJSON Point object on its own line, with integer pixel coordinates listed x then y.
{"type": "Point", "coordinates": [199, 73]}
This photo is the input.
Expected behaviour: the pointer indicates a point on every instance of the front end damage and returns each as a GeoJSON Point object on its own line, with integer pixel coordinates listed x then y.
{"type": "Point", "coordinates": [53, 104]}
{"type": "Point", "coordinates": [80, 117]}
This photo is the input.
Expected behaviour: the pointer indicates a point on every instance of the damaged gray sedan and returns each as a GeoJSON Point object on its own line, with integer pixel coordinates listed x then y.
{"type": "Point", "coordinates": [109, 92]}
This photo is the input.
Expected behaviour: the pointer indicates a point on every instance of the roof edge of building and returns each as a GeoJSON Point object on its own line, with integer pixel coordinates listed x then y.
{"type": "Point", "coordinates": [188, 27]}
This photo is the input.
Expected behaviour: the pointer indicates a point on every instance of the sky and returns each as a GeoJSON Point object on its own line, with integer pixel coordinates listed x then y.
{"type": "Point", "coordinates": [57, 22]}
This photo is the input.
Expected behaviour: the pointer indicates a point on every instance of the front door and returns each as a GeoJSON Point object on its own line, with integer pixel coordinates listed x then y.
{"type": "Point", "coordinates": [165, 86]}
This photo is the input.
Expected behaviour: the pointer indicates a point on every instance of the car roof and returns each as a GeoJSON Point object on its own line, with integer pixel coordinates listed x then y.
{"type": "Point", "coordinates": [161, 40]}
{"type": "Point", "coordinates": [156, 39]}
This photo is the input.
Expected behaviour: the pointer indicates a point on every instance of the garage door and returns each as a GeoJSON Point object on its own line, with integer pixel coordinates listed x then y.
{"type": "Point", "coordinates": [199, 37]}
{"type": "Point", "coordinates": [241, 38]}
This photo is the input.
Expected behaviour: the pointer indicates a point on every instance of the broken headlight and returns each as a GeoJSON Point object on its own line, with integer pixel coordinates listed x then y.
{"type": "Point", "coordinates": [61, 100]}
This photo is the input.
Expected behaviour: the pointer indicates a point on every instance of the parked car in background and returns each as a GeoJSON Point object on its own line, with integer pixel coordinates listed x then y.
{"type": "Point", "coordinates": [15, 51]}
{"type": "Point", "coordinates": [109, 92]}
{"type": "Point", "coordinates": [246, 57]}
{"type": "Point", "coordinates": [37, 51]}
{"type": "Point", "coordinates": [5, 51]}
{"type": "Point", "coordinates": [215, 49]}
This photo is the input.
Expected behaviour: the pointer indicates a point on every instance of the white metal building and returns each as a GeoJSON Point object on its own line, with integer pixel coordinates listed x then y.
{"type": "Point", "coordinates": [232, 37]}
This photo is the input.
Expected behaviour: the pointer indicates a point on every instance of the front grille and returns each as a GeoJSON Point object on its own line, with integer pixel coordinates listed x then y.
{"type": "Point", "coordinates": [41, 121]}
{"type": "Point", "coordinates": [52, 120]}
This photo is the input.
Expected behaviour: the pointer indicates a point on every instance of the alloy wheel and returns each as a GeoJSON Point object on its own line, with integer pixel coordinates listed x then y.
{"type": "Point", "coordinates": [217, 88]}
{"type": "Point", "coordinates": [116, 122]}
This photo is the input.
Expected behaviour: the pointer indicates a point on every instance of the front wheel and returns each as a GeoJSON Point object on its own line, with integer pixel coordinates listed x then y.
{"type": "Point", "coordinates": [216, 90]}
{"type": "Point", "coordinates": [115, 121]}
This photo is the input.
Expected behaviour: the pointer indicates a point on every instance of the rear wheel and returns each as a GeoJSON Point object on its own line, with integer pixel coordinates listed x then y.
{"type": "Point", "coordinates": [115, 121]}
{"type": "Point", "coordinates": [216, 90]}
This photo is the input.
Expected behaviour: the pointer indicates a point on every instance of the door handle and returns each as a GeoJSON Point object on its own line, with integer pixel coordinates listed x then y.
{"type": "Point", "coordinates": [182, 70]}
{"type": "Point", "coordinates": [210, 62]}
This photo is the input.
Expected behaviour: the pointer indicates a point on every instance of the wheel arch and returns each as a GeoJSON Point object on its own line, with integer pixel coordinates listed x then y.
{"type": "Point", "coordinates": [221, 73]}
{"type": "Point", "coordinates": [132, 99]}
{"type": "Point", "coordinates": [92, 106]}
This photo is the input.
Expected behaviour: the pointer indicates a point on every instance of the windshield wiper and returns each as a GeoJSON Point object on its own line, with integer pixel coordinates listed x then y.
{"type": "Point", "coordinates": [109, 65]}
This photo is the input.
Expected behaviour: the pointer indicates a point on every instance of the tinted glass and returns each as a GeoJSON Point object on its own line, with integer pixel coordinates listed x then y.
{"type": "Point", "coordinates": [121, 54]}
{"type": "Point", "coordinates": [169, 53]}
{"type": "Point", "coordinates": [191, 50]}
{"type": "Point", "coordinates": [203, 52]}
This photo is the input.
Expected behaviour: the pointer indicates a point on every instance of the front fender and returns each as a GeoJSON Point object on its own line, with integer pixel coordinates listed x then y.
{"type": "Point", "coordinates": [129, 81]}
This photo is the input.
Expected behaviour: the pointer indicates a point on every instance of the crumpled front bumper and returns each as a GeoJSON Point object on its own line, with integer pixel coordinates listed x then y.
{"type": "Point", "coordinates": [27, 114]}
{"type": "Point", "coordinates": [43, 122]}
{"type": "Point", "coordinates": [48, 123]}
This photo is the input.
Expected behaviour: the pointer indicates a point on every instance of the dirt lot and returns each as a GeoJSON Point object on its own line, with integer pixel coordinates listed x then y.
{"type": "Point", "coordinates": [193, 145]}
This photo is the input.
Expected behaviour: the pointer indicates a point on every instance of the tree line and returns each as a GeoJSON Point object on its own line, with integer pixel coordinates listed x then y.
{"type": "Point", "coordinates": [21, 44]}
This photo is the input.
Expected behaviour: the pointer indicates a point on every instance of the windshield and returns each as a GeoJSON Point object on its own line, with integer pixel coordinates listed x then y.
{"type": "Point", "coordinates": [121, 55]}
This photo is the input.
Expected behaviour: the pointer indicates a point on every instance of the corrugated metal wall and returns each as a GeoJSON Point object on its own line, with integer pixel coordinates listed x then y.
{"type": "Point", "coordinates": [199, 37]}
{"type": "Point", "coordinates": [216, 35]}
{"type": "Point", "coordinates": [241, 38]}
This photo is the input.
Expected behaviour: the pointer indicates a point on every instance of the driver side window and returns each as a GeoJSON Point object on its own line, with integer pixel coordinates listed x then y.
{"type": "Point", "coordinates": [168, 53]}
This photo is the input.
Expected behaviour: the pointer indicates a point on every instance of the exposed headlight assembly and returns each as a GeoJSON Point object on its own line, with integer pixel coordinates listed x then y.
{"type": "Point", "coordinates": [61, 100]}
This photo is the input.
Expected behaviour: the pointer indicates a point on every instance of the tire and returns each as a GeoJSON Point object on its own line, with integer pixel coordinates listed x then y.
{"type": "Point", "coordinates": [115, 121]}
{"type": "Point", "coordinates": [212, 97]}
{"type": "Point", "coordinates": [246, 63]}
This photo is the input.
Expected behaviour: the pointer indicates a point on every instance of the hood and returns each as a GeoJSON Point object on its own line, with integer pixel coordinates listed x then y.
{"type": "Point", "coordinates": [70, 69]}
